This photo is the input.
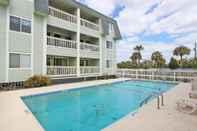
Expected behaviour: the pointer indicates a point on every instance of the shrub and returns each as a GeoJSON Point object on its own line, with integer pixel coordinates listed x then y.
{"type": "Point", "coordinates": [37, 81]}
{"type": "Point", "coordinates": [173, 64]}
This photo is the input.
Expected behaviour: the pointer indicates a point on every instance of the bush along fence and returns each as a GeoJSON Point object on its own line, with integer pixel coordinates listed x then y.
{"type": "Point", "coordinates": [156, 74]}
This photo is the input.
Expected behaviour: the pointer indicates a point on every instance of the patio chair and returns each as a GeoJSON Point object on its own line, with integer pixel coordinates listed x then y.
{"type": "Point", "coordinates": [193, 94]}
{"type": "Point", "coordinates": [193, 91]}
{"type": "Point", "coordinates": [194, 84]}
{"type": "Point", "coordinates": [188, 106]}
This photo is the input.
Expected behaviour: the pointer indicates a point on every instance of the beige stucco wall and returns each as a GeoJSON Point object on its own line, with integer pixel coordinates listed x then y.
{"type": "Point", "coordinates": [20, 42]}
{"type": "Point", "coordinates": [3, 50]}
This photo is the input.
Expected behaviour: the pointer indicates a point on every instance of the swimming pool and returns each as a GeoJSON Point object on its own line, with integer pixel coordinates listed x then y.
{"type": "Point", "coordinates": [92, 108]}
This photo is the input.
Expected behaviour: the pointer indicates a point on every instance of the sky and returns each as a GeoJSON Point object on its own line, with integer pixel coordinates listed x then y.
{"type": "Point", "coordinates": [158, 25]}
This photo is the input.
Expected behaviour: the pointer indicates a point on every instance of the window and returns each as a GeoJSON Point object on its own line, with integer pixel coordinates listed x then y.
{"type": "Point", "coordinates": [25, 26]}
{"type": "Point", "coordinates": [111, 28]}
{"type": "Point", "coordinates": [25, 61]}
{"type": "Point", "coordinates": [108, 63]}
{"type": "Point", "coordinates": [20, 25]}
{"type": "Point", "coordinates": [19, 61]}
{"type": "Point", "coordinates": [14, 60]}
{"type": "Point", "coordinates": [109, 44]}
{"type": "Point", "coordinates": [14, 23]}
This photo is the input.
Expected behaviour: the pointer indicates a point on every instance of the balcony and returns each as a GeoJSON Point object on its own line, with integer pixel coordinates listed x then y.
{"type": "Point", "coordinates": [89, 50]}
{"type": "Point", "coordinates": [89, 47]}
{"type": "Point", "coordinates": [88, 24]}
{"type": "Point", "coordinates": [61, 71]}
{"type": "Point", "coordinates": [89, 70]}
{"type": "Point", "coordinates": [62, 15]}
{"type": "Point", "coordinates": [58, 42]}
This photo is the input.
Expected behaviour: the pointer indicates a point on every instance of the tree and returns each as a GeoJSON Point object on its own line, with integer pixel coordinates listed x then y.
{"type": "Point", "coordinates": [147, 64]}
{"type": "Point", "coordinates": [125, 64]}
{"type": "Point", "coordinates": [135, 58]}
{"type": "Point", "coordinates": [158, 60]}
{"type": "Point", "coordinates": [139, 48]}
{"type": "Point", "coordinates": [181, 51]}
{"type": "Point", "coordinates": [173, 64]}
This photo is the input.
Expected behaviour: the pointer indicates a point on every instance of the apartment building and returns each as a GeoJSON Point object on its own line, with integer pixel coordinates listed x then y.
{"type": "Point", "coordinates": [57, 38]}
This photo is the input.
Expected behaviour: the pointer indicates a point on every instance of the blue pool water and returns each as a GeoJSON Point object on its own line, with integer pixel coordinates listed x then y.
{"type": "Point", "coordinates": [91, 108]}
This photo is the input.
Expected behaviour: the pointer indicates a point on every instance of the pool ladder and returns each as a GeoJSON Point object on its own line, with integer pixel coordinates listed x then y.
{"type": "Point", "coordinates": [158, 95]}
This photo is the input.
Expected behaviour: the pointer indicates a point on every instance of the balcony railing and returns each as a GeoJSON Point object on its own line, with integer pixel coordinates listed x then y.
{"type": "Point", "coordinates": [89, 70]}
{"type": "Point", "coordinates": [89, 24]}
{"type": "Point", "coordinates": [61, 42]}
{"type": "Point", "coordinates": [62, 15]}
{"type": "Point", "coordinates": [89, 47]}
{"type": "Point", "coordinates": [61, 70]}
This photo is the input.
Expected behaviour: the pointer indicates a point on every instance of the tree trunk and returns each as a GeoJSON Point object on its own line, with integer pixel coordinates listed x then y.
{"type": "Point", "coordinates": [181, 62]}
{"type": "Point", "coordinates": [181, 57]}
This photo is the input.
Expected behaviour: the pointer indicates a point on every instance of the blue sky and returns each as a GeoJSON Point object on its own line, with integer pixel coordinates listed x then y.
{"type": "Point", "coordinates": [159, 25]}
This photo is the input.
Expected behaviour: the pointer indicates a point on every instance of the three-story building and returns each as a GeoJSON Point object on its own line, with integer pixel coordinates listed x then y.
{"type": "Point", "coordinates": [57, 38]}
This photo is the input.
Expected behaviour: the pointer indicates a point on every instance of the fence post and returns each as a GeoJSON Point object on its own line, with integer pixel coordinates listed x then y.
{"type": "Point", "coordinates": [174, 76]}
{"type": "Point", "coordinates": [162, 99]}
{"type": "Point", "coordinates": [152, 75]}
{"type": "Point", "coordinates": [158, 103]}
{"type": "Point", "coordinates": [123, 73]}
{"type": "Point", "coordinates": [136, 74]}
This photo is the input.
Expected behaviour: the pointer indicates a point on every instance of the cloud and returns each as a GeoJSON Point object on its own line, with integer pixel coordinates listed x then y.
{"type": "Point", "coordinates": [157, 24]}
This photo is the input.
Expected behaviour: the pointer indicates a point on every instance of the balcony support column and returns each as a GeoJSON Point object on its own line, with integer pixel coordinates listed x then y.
{"type": "Point", "coordinates": [78, 42]}
{"type": "Point", "coordinates": [44, 70]}
{"type": "Point", "coordinates": [100, 49]}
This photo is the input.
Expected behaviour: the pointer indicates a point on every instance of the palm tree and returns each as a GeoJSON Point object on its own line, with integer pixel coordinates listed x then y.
{"type": "Point", "coordinates": [138, 48]}
{"type": "Point", "coordinates": [181, 51]}
{"type": "Point", "coordinates": [137, 54]}
{"type": "Point", "coordinates": [136, 57]}
{"type": "Point", "coordinates": [158, 59]}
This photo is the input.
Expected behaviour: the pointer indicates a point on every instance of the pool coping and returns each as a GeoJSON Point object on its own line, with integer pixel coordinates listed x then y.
{"type": "Point", "coordinates": [56, 88]}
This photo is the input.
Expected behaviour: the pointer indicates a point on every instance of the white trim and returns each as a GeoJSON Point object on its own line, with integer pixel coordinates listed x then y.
{"type": "Point", "coordinates": [44, 66]}
{"type": "Point", "coordinates": [19, 32]}
{"type": "Point", "coordinates": [78, 42]}
{"type": "Point", "coordinates": [101, 55]}
{"type": "Point", "coordinates": [20, 53]}
{"type": "Point", "coordinates": [21, 17]}
{"type": "Point", "coordinates": [32, 44]}
{"type": "Point", "coordinates": [7, 45]}
{"type": "Point", "coordinates": [20, 68]}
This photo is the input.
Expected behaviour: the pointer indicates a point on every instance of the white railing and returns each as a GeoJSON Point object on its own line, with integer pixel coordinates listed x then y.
{"type": "Point", "coordinates": [52, 41]}
{"type": "Point", "coordinates": [62, 15]}
{"type": "Point", "coordinates": [89, 70]}
{"type": "Point", "coordinates": [89, 24]}
{"type": "Point", "coordinates": [61, 70]}
{"type": "Point", "coordinates": [89, 47]}
{"type": "Point", "coordinates": [155, 74]}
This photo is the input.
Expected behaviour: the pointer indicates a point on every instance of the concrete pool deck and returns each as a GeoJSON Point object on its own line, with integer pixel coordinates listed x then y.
{"type": "Point", "coordinates": [16, 117]}
{"type": "Point", "coordinates": [149, 118]}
